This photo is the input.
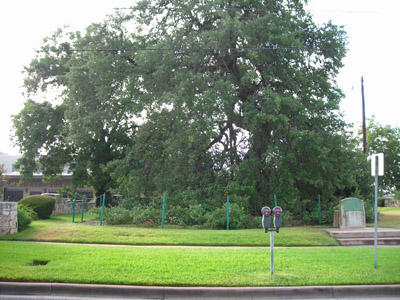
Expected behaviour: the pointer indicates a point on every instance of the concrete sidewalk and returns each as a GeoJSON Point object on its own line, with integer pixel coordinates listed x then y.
{"type": "Point", "coordinates": [199, 246]}
{"type": "Point", "coordinates": [93, 291]}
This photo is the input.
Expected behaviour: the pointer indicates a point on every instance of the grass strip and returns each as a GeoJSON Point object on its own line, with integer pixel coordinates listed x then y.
{"type": "Point", "coordinates": [196, 267]}
{"type": "Point", "coordinates": [61, 229]}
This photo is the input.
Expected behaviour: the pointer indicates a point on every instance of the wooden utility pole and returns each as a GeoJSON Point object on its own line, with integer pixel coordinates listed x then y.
{"type": "Point", "coordinates": [364, 130]}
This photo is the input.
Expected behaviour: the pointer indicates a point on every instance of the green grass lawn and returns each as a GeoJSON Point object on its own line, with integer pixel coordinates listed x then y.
{"type": "Point", "coordinates": [196, 267]}
{"type": "Point", "coordinates": [61, 229]}
{"type": "Point", "coordinates": [389, 217]}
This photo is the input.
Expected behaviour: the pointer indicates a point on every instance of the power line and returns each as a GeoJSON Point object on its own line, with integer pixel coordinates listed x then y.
{"type": "Point", "coordinates": [266, 10]}
{"type": "Point", "coordinates": [205, 6]}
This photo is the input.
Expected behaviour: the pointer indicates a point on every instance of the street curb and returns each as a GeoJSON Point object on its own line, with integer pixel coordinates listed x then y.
{"type": "Point", "coordinates": [101, 290]}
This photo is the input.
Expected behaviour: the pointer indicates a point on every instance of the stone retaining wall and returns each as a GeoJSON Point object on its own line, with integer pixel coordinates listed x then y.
{"type": "Point", "coordinates": [64, 206]}
{"type": "Point", "coordinates": [8, 218]}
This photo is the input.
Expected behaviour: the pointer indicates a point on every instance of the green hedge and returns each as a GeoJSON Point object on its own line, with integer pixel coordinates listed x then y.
{"type": "Point", "coordinates": [25, 215]}
{"type": "Point", "coordinates": [194, 215]}
{"type": "Point", "coordinates": [42, 205]}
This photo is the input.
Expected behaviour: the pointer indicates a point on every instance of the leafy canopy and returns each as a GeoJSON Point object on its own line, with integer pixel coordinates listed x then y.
{"type": "Point", "coordinates": [386, 140]}
{"type": "Point", "coordinates": [210, 96]}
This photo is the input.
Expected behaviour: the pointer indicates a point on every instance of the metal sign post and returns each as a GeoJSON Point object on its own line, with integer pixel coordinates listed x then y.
{"type": "Point", "coordinates": [377, 162]}
{"type": "Point", "coordinates": [376, 214]}
{"type": "Point", "coordinates": [271, 244]}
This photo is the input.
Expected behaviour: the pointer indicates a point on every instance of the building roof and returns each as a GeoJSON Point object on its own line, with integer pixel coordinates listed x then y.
{"type": "Point", "coordinates": [8, 161]}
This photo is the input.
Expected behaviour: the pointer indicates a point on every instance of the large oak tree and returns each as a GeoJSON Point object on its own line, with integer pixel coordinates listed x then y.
{"type": "Point", "coordinates": [220, 96]}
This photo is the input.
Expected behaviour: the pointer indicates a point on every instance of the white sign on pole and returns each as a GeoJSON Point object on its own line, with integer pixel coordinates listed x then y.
{"type": "Point", "coordinates": [380, 164]}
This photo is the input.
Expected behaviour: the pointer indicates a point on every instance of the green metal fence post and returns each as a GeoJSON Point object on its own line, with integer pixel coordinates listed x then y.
{"type": "Point", "coordinates": [83, 207]}
{"type": "Point", "coordinates": [102, 203]}
{"type": "Point", "coordinates": [163, 211]}
{"type": "Point", "coordinates": [275, 201]}
{"type": "Point", "coordinates": [319, 209]}
{"type": "Point", "coordinates": [73, 209]}
{"type": "Point", "coordinates": [227, 213]}
{"type": "Point", "coordinates": [5, 194]}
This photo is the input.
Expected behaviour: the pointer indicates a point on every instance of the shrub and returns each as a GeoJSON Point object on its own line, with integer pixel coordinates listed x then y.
{"type": "Point", "coordinates": [177, 215]}
{"type": "Point", "coordinates": [145, 215]}
{"type": "Point", "coordinates": [117, 215]}
{"type": "Point", "coordinates": [254, 222]}
{"type": "Point", "coordinates": [369, 210]}
{"type": "Point", "coordinates": [25, 215]}
{"type": "Point", "coordinates": [197, 215]}
{"type": "Point", "coordinates": [237, 218]}
{"type": "Point", "coordinates": [95, 211]}
{"type": "Point", "coordinates": [288, 218]}
{"type": "Point", "coordinates": [42, 205]}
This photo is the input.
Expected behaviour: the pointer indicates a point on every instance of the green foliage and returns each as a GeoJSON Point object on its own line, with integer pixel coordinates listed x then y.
{"type": "Point", "coordinates": [386, 140]}
{"type": "Point", "coordinates": [117, 215]}
{"type": "Point", "coordinates": [201, 101]}
{"type": "Point", "coordinates": [145, 215]}
{"type": "Point", "coordinates": [197, 215]}
{"type": "Point", "coordinates": [237, 218]}
{"type": "Point", "coordinates": [66, 192]}
{"type": "Point", "coordinates": [25, 215]}
{"type": "Point", "coordinates": [288, 219]}
{"type": "Point", "coordinates": [93, 123]}
{"type": "Point", "coordinates": [369, 210]}
{"type": "Point", "coordinates": [249, 121]}
{"type": "Point", "coordinates": [95, 212]}
{"type": "Point", "coordinates": [42, 205]}
{"type": "Point", "coordinates": [39, 126]}
{"type": "Point", "coordinates": [188, 213]}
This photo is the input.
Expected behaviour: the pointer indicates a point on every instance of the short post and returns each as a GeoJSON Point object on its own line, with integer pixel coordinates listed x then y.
{"type": "Point", "coordinates": [319, 209]}
{"type": "Point", "coordinates": [275, 201]}
{"type": "Point", "coordinates": [227, 213]}
{"type": "Point", "coordinates": [73, 209]}
{"type": "Point", "coordinates": [271, 245]}
{"type": "Point", "coordinates": [102, 203]}
{"type": "Point", "coordinates": [163, 211]}
{"type": "Point", "coordinates": [83, 207]}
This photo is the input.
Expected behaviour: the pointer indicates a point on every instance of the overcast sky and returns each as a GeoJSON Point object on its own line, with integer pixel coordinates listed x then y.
{"type": "Point", "coordinates": [373, 35]}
